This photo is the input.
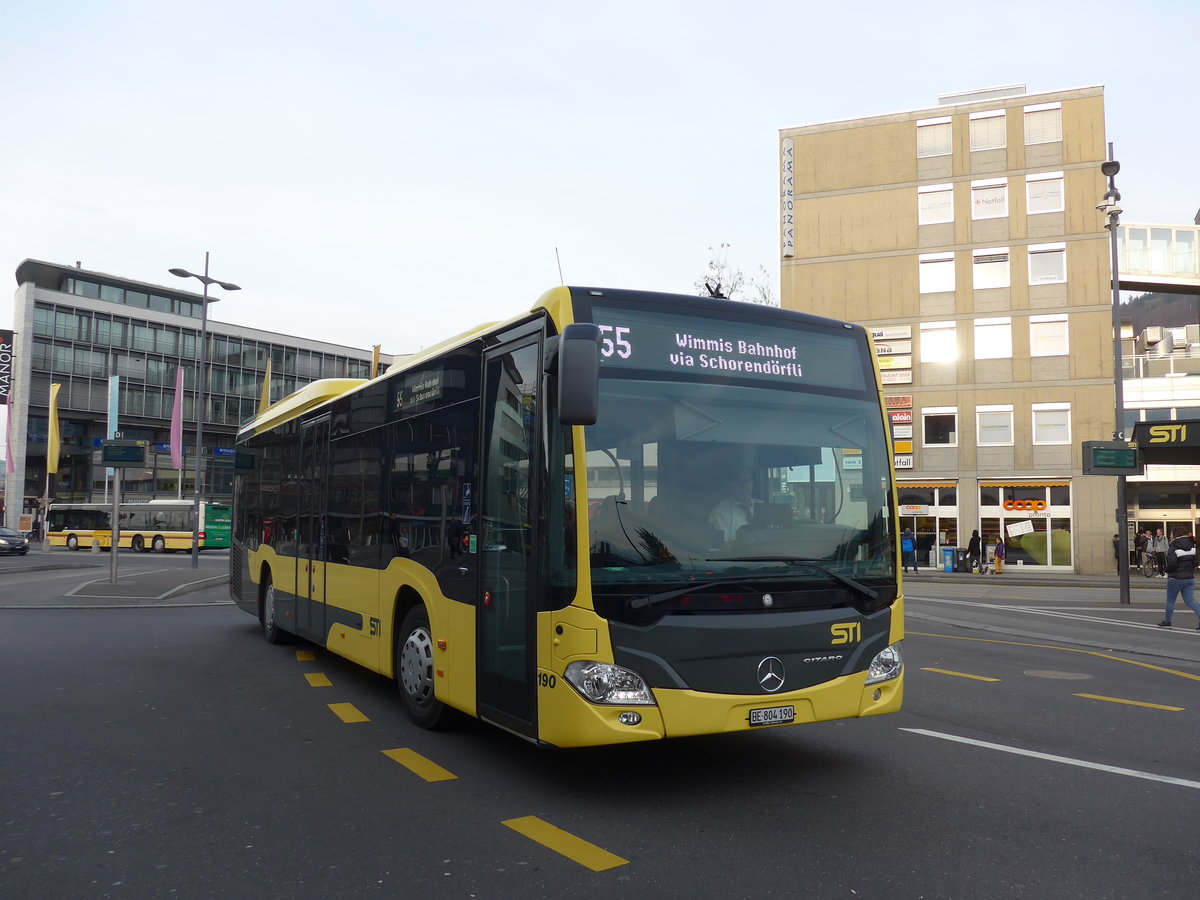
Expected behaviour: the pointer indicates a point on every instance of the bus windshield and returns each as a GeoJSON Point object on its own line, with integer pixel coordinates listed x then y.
{"type": "Point", "coordinates": [691, 482]}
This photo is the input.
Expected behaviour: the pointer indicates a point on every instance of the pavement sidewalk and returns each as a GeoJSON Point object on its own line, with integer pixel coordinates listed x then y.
{"type": "Point", "coordinates": [139, 581]}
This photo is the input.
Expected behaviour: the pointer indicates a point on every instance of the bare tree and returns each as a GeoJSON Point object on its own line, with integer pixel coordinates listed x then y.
{"type": "Point", "coordinates": [724, 280]}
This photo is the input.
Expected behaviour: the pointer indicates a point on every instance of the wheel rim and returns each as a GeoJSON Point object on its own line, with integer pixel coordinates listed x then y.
{"type": "Point", "coordinates": [269, 607]}
{"type": "Point", "coordinates": [72, 542]}
{"type": "Point", "coordinates": [416, 667]}
{"type": "Point", "coordinates": [159, 544]}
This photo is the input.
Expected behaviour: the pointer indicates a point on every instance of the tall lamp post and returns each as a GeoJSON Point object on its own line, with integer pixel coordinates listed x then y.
{"type": "Point", "coordinates": [1111, 208]}
{"type": "Point", "coordinates": [200, 384]}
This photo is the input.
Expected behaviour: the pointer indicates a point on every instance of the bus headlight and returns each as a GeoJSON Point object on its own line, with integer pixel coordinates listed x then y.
{"type": "Point", "coordinates": [886, 665]}
{"type": "Point", "coordinates": [609, 684]}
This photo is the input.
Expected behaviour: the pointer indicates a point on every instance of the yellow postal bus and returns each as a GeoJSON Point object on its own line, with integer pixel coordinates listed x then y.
{"type": "Point", "coordinates": [620, 517]}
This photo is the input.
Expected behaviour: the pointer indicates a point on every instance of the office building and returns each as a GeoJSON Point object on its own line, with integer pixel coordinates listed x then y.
{"type": "Point", "coordinates": [78, 328]}
{"type": "Point", "coordinates": [966, 237]}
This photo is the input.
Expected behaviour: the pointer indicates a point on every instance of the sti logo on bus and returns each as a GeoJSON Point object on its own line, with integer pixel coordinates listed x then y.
{"type": "Point", "coordinates": [846, 633]}
{"type": "Point", "coordinates": [1168, 434]}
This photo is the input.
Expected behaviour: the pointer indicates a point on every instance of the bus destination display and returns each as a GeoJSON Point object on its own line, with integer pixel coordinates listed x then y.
{"type": "Point", "coordinates": [719, 348]}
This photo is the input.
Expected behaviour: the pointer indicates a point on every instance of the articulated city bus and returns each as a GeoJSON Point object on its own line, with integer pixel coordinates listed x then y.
{"type": "Point", "coordinates": [158, 525]}
{"type": "Point", "coordinates": [620, 517]}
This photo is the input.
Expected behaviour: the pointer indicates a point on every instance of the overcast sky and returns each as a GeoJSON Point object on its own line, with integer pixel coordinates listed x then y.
{"type": "Point", "coordinates": [394, 173]}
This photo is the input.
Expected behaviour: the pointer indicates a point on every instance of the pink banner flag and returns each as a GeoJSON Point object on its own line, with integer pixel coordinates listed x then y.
{"type": "Point", "coordinates": [10, 465]}
{"type": "Point", "coordinates": [177, 422]}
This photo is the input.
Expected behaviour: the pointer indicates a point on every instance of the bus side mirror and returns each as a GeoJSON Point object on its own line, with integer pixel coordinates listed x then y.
{"type": "Point", "coordinates": [579, 374]}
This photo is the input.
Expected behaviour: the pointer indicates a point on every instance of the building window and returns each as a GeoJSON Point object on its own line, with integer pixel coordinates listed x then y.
{"type": "Point", "coordinates": [1048, 335]}
{"type": "Point", "coordinates": [939, 342]}
{"type": "Point", "coordinates": [1052, 423]}
{"type": "Point", "coordinates": [993, 338]}
{"type": "Point", "coordinates": [989, 198]}
{"type": "Point", "coordinates": [1047, 263]}
{"type": "Point", "coordinates": [939, 426]}
{"type": "Point", "coordinates": [994, 425]}
{"type": "Point", "coordinates": [1043, 123]}
{"type": "Point", "coordinates": [1044, 193]}
{"type": "Point", "coordinates": [935, 272]}
{"type": "Point", "coordinates": [934, 137]}
{"type": "Point", "coordinates": [935, 204]}
{"type": "Point", "coordinates": [987, 130]}
{"type": "Point", "coordinates": [989, 268]}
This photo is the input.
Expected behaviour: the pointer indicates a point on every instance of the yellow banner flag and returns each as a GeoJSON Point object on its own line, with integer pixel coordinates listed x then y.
{"type": "Point", "coordinates": [53, 444]}
{"type": "Point", "coordinates": [265, 400]}
{"type": "Point", "coordinates": [375, 360]}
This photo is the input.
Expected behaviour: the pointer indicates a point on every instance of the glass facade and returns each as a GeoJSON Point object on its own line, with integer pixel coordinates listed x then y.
{"type": "Point", "coordinates": [80, 348]}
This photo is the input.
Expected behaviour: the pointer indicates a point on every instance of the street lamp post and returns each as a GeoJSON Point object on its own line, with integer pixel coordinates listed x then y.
{"type": "Point", "coordinates": [1111, 208]}
{"type": "Point", "coordinates": [200, 384]}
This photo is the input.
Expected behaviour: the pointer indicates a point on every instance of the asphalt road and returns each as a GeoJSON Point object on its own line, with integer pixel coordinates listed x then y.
{"type": "Point", "coordinates": [167, 750]}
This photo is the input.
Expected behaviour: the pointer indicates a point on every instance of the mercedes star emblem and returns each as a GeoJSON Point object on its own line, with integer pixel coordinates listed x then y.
{"type": "Point", "coordinates": [770, 674]}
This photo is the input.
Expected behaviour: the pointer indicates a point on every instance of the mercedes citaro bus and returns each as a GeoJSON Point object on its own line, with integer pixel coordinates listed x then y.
{"type": "Point", "coordinates": [620, 516]}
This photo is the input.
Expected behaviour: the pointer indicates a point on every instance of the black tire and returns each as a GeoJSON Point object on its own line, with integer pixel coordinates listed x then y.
{"type": "Point", "coordinates": [267, 612]}
{"type": "Point", "coordinates": [159, 544]}
{"type": "Point", "coordinates": [414, 671]}
{"type": "Point", "coordinates": [137, 544]}
{"type": "Point", "coordinates": [72, 542]}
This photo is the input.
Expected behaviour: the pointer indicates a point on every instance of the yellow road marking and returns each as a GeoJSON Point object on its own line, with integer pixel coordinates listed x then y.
{"type": "Point", "coordinates": [573, 848]}
{"type": "Point", "coordinates": [1131, 662]}
{"type": "Point", "coordinates": [348, 713]}
{"type": "Point", "coordinates": [1131, 702]}
{"type": "Point", "coordinates": [317, 679]}
{"type": "Point", "coordinates": [419, 765]}
{"type": "Point", "coordinates": [959, 674]}
{"type": "Point", "coordinates": [305, 656]}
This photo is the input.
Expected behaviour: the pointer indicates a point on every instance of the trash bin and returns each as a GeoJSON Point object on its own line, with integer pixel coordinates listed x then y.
{"type": "Point", "coordinates": [948, 559]}
{"type": "Point", "coordinates": [961, 562]}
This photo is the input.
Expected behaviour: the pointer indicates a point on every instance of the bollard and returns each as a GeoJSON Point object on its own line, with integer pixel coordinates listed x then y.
{"type": "Point", "coordinates": [95, 545]}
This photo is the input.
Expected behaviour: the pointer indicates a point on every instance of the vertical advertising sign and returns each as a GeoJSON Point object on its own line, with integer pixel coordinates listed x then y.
{"type": "Point", "coordinates": [6, 364]}
{"type": "Point", "coordinates": [787, 165]}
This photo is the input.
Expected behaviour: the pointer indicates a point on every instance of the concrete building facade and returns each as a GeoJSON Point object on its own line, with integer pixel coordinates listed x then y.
{"type": "Point", "coordinates": [78, 328]}
{"type": "Point", "coordinates": [966, 236]}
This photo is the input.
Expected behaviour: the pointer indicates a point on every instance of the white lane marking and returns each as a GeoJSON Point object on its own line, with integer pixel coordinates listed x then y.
{"type": "Point", "coordinates": [1052, 613]}
{"type": "Point", "coordinates": [1049, 757]}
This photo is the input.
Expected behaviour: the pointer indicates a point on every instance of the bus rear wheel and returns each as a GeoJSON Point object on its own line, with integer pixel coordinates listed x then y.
{"type": "Point", "coordinates": [414, 670]}
{"type": "Point", "coordinates": [72, 542]}
{"type": "Point", "coordinates": [137, 544]}
{"type": "Point", "coordinates": [159, 544]}
{"type": "Point", "coordinates": [267, 612]}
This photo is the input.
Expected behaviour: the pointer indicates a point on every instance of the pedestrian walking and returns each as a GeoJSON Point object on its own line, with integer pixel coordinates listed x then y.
{"type": "Point", "coordinates": [973, 549]}
{"type": "Point", "coordinates": [1141, 545]}
{"type": "Point", "coordinates": [1117, 550]}
{"type": "Point", "coordinates": [999, 553]}
{"type": "Point", "coordinates": [908, 548]}
{"type": "Point", "coordinates": [1181, 574]}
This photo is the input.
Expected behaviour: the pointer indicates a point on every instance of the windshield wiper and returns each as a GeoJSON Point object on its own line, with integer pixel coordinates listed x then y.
{"type": "Point", "coordinates": [818, 564]}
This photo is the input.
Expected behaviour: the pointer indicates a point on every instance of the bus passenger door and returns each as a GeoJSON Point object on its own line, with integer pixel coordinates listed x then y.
{"type": "Point", "coordinates": [310, 579]}
{"type": "Point", "coordinates": [506, 539]}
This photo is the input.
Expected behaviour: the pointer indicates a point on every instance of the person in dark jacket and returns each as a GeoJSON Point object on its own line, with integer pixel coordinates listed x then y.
{"type": "Point", "coordinates": [973, 551]}
{"type": "Point", "coordinates": [1181, 574]}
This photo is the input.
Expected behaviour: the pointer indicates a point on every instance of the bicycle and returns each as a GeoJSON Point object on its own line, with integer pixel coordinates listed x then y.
{"type": "Point", "coordinates": [1148, 566]}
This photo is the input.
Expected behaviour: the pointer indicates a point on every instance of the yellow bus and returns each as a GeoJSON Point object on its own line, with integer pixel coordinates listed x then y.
{"type": "Point", "coordinates": [158, 525]}
{"type": "Point", "coordinates": [621, 516]}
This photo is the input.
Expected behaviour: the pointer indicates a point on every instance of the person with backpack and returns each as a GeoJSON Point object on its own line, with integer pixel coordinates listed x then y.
{"type": "Point", "coordinates": [974, 546]}
{"type": "Point", "coordinates": [1181, 574]}
{"type": "Point", "coordinates": [908, 548]}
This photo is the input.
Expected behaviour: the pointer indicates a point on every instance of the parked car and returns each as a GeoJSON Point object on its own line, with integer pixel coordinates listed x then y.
{"type": "Point", "coordinates": [13, 542]}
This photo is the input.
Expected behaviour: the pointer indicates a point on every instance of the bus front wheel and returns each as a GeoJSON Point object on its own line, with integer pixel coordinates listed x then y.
{"type": "Point", "coordinates": [267, 612]}
{"type": "Point", "coordinates": [414, 670]}
{"type": "Point", "coordinates": [72, 542]}
{"type": "Point", "coordinates": [159, 544]}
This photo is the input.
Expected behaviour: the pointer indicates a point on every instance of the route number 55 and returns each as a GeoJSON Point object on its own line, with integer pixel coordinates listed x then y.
{"type": "Point", "coordinates": [615, 339]}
